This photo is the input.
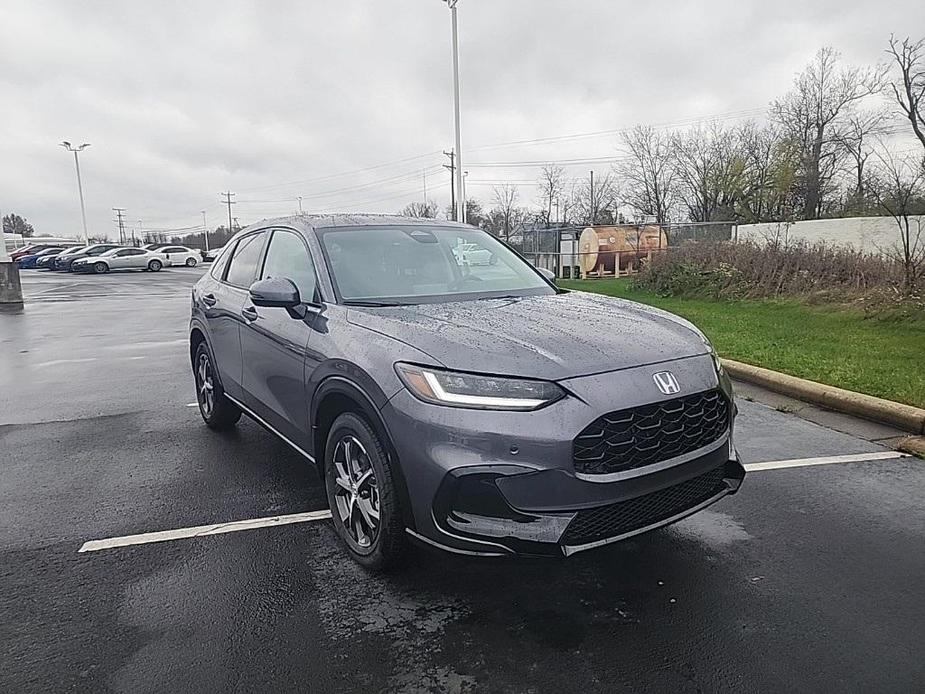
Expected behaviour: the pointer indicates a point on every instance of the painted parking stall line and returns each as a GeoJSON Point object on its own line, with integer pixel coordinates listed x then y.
{"type": "Point", "coordinates": [824, 460]}
{"type": "Point", "coordinates": [203, 530]}
{"type": "Point", "coordinates": [310, 516]}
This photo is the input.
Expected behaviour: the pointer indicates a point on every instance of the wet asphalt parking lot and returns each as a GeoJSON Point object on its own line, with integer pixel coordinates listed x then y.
{"type": "Point", "coordinates": [812, 578]}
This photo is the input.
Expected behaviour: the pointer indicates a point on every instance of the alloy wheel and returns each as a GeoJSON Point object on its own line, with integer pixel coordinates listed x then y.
{"type": "Point", "coordinates": [356, 492]}
{"type": "Point", "coordinates": [205, 393]}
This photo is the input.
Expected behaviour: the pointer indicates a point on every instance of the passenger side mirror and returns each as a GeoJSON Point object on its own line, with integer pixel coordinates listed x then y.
{"type": "Point", "coordinates": [547, 273]}
{"type": "Point", "coordinates": [275, 292]}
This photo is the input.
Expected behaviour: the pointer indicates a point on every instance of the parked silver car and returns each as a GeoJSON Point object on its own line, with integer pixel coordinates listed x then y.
{"type": "Point", "coordinates": [121, 259]}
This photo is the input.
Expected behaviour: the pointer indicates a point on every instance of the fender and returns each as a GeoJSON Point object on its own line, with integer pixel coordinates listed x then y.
{"type": "Point", "coordinates": [196, 324]}
{"type": "Point", "coordinates": [338, 383]}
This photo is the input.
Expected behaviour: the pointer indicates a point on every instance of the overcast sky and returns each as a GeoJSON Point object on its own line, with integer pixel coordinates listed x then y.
{"type": "Point", "coordinates": [181, 100]}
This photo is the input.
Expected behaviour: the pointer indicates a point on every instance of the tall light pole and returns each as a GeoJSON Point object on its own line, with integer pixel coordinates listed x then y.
{"type": "Point", "coordinates": [83, 213]}
{"type": "Point", "coordinates": [205, 230]}
{"type": "Point", "coordinates": [461, 201]}
{"type": "Point", "coordinates": [300, 206]}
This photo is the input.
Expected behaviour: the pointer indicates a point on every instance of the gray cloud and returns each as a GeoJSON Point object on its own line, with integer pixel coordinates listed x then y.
{"type": "Point", "coordinates": [183, 99]}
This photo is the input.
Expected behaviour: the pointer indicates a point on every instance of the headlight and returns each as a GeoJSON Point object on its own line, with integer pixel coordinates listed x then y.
{"type": "Point", "coordinates": [480, 392]}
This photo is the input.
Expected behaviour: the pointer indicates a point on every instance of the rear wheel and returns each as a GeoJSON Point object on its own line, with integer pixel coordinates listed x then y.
{"type": "Point", "coordinates": [190, 262]}
{"type": "Point", "coordinates": [362, 495]}
{"type": "Point", "coordinates": [155, 265]}
{"type": "Point", "coordinates": [218, 412]}
{"type": "Point", "coordinates": [100, 268]}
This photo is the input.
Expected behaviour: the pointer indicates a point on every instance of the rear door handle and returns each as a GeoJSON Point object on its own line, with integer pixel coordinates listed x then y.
{"type": "Point", "coordinates": [250, 313]}
{"type": "Point", "coordinates": [209, 299]}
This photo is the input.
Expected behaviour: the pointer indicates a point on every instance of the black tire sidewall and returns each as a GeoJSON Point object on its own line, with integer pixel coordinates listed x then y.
{"type": "Point", "coordinates": [382, 552]}
{"type": "Point", "coordinates": [190, 262]}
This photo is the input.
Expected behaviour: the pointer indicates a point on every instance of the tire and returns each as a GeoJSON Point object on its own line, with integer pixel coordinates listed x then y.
{"type": "Point", "coordinates": [190, 262]}
{"type": "Point", "coordinates": [100, 268]}
{"type": "Point", "coordinates": [155, 266]}
{"type": "Point", "coordinates": [376, 548]}
{"type": "Point", "coordinates": [218, 412]}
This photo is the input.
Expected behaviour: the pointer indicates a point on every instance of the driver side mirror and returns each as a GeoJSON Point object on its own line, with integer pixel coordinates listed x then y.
{"type": "Point", "coordinates": [275, 292]}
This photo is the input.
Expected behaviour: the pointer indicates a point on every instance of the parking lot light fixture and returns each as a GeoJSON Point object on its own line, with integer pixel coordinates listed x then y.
{"type": "Point", "coordinates": [461, 201]}
{"type": "Point", "coordinates": [80, 191]}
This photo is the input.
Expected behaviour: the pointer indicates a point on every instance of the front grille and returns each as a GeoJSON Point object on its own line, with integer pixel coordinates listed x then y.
{"type": "Point", "coordinates": [639, 436]}
{"type": "Point", "coordinates": [626, 516]}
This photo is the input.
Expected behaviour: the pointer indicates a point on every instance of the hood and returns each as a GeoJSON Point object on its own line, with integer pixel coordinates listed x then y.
{"type": "Point", "coordinates": [550, 337]}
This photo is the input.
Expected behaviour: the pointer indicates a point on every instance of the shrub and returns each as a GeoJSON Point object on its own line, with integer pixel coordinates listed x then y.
{"type": "Point", "coordinates": [746, 269]}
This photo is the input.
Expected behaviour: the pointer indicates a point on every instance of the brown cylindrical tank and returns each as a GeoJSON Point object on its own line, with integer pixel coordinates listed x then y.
{"type": "Point", "coordinates": [601, 248]}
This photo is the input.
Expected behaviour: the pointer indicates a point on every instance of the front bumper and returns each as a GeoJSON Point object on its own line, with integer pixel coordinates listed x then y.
{"type": "Point", "coordinates": [504, 483]}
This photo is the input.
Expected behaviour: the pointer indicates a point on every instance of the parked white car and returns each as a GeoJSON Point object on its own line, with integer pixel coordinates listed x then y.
{"type": "Point", "coordinates": [212, 254]}
{"type": "Point", "coordinates": [473, 254]}
{"type": "Point", "coordinates": [121, 259]}
{"type": "Point", "coordinates": [180, 255]}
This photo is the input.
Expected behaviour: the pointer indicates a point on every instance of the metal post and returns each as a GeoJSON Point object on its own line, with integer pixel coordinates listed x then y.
{"type": "Point", "coordinates": [461, 202]}
{"type": "Point", "coordinates": [80, 192]}
{"type": "Point", "coordinates": [205, 230]}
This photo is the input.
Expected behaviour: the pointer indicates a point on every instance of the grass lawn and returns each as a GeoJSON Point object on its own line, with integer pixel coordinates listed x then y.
{"type": "Point", "coordinates": [840, 347]}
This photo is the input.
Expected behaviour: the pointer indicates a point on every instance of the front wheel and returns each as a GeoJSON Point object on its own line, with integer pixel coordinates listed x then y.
{"type": "Point", "coordinates": [190, 262]}
{"type": "Point", "coordinates": [100, 268]}
{"type": "Point", "coordinates": [155, 266]}
{"type": "Point", "coordinates": [362, 495]}
{"type": "Point", "coordinates": [218, 412]}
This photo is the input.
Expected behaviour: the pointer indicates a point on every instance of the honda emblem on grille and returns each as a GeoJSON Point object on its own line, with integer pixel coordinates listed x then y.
{"type": "Point", "coordinates": [666, 382]}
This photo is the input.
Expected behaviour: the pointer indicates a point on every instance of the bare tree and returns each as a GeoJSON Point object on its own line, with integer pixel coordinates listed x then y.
{"type": "Point", "coordinates": [909, 89]}
{"type": "Point", "coordinates": [856, 136]}
{"type": "Point", "coordinates": [709, 169]}
{"type": "Point", "coordinates": [597, 204]}
{"type": "Point", "coordinates": [900, 192]}
{"type": "Point", "coordinates": [770, 164]}
{"type": "Point", "coordinates": [428, 209]}
{"type": "Point", "coordinates": [648, 173]}
{"type": "Point", "coordinates": [505, 197]}
{"type": "Point", "coordinates": [551, 183]}
{"type": "Point", "coordinates": [822, 96]}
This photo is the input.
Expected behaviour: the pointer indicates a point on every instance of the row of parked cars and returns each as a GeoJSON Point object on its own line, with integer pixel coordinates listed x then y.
{"type": "Point", "coordinates": [104, 257]}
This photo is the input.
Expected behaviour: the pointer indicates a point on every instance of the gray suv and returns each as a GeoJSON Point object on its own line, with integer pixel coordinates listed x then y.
{"type": "Point", "coordinates": [474, 407]}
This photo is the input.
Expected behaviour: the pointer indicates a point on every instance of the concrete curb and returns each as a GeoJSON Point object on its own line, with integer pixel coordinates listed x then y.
{"type": "Point", "coordinates": [905, 417]}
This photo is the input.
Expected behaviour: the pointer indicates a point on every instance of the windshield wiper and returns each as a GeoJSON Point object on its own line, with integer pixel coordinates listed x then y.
{"type": "Point", "coordinates": [359, 302]}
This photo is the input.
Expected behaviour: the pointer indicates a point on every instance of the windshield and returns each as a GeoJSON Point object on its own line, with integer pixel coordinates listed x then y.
{"type": "Point", "coordinates": [413, 264]}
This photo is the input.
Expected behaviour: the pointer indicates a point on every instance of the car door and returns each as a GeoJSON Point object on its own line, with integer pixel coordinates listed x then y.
{"type": "Point", "coordinates": [119, 259]}
{"type": "Point", "coordinates": [274, 343]}
{"type": "Point", "coordinates": [175, 254]}
{"type": "Point", "coordinates": [223, 302]}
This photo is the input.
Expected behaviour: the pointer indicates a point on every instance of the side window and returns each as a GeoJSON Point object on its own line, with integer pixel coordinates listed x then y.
{"type": "Point", "coordinates": [242, 268]}
{"type": "Point", "coordinates": [221, 260]}
{"type": "Point", "coordinates": [134, 251]}
{"type": "Point", "coordinates": [288, 257]}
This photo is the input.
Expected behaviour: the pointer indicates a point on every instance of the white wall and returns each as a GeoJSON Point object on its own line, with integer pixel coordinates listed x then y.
{"type": "Point", "coordinates": [866, 233]}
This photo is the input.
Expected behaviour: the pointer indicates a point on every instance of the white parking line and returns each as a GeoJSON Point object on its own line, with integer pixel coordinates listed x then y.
{"type": "Point", "coordinates": [192, 404]}
{"type": "Point", "coordinates": [203, 530]}
{"type": "Point", "coordinates": [824, 460]}
{"type": "Point", "coordinates": [253, 523]}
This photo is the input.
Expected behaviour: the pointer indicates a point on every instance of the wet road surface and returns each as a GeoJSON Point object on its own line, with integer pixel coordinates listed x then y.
{"type": "Point", "coordinates": [810, 579]}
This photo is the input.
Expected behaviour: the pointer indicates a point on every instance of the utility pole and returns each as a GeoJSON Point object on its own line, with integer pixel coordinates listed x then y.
{"type": "Point", "coordinates": [141, 231]}
{"type": "Point", "coordinates": [205, 230]}
{"type": "Point", "coordinates": [451, 167]}
{"type": "Point", "coordinates": [300, 205]}
{"type": "Point", "coordinates": [424, 174]}
{"type": "Point", "coordinates": [227, 199]}
{"type": "Point", "coordinates": [120, 219]}
{"type": "Point", "coordinates": [592, 210]}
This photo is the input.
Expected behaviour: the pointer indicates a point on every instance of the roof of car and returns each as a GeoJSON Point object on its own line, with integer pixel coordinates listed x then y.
{"type": "Point", "coordinates": [326, 221]}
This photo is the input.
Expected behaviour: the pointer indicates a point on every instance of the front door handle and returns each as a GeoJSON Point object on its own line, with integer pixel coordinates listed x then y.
{"type": "Point", "coordinates": [249, 313]}
{"type": "Point", "coordinates": [209, 300]}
